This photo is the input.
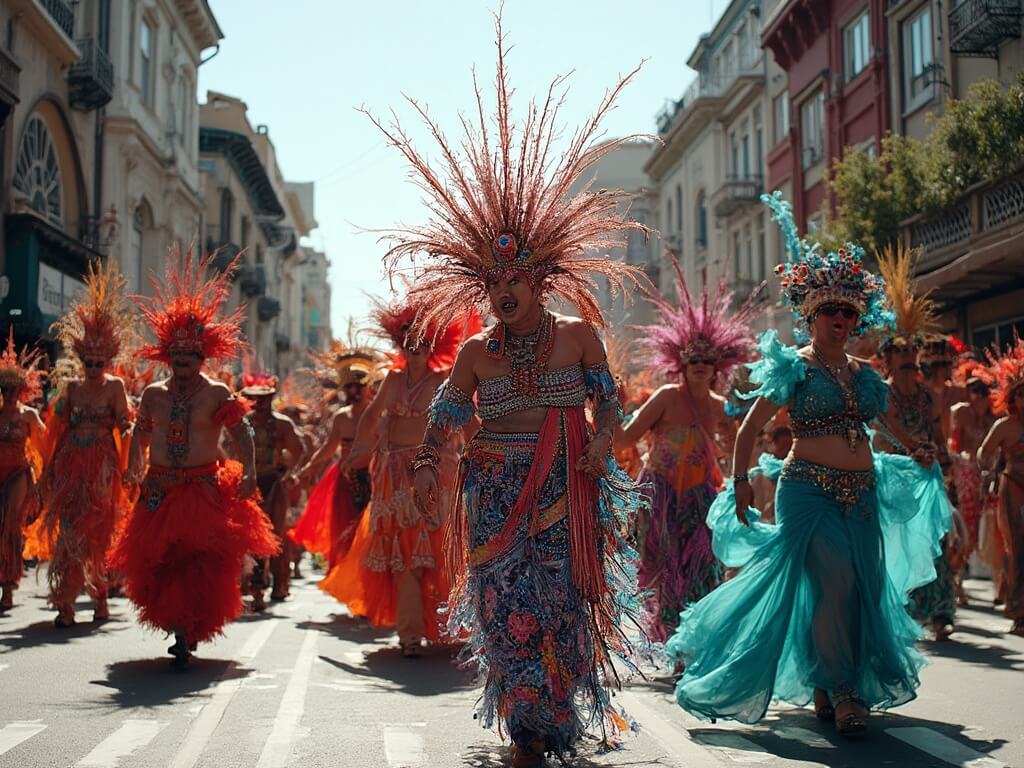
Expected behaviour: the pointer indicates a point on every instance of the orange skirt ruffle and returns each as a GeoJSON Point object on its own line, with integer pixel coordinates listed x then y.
{"type": "Point", "coordinates": [182, 548]}
{"type": "Point", "coordinates": [12, 520]}
{"type": "Point", "coordinates": [328, 524]}
{"type": "Point", "coordinates": [392, 537]}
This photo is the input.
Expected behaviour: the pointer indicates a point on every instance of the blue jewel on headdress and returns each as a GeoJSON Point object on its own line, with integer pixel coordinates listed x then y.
{"type": "Point", "coordinates": [493, 346]}
{"type": "Point", "coordinates": [505, 247]}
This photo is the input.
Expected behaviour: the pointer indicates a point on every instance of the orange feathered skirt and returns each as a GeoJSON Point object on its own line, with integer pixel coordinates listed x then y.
{"type": "Point", "coordinates": [13, 466]}
{"type": "Point", "coordinates": [182, 548]}
{"type": "Point", "coordinates": [393, 537]}
{"type": "Point", "coordinates": [328, 523]}
{"type": "Point", "coordinates": [83, 505]}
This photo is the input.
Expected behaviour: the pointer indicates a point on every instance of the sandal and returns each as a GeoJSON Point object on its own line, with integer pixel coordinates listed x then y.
{"type": "Point", "coordinates": [823, 708]}
{"type": "Point", "coordinates": [65, 617]}
{"type": "Point", "coordinates": [1017, 628]}
{"type": "Point", "coordinates": [853, 724]}
{"type": "Point", "coordinates": [7, 600]}
{"type": "Point", "coordinates": [942, 629]}
{"type": "Point", "coordinates": [412, 649]}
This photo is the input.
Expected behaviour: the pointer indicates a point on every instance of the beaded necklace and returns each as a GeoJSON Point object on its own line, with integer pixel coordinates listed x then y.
{"type": "Point", "coordinates": [180, 416]}
{"type": "Point", "coordinates": [527, 355]}
{"type": "Point", "coordinates": [849, 394]}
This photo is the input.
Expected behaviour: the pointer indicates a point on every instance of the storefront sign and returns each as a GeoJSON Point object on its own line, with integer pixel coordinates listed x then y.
{"type": "Point", "coordinates": [56, 290]}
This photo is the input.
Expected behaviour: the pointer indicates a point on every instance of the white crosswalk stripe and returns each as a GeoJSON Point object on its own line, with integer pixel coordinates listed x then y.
{"type": "Point", "coordinates": [279, 744]}
{"type": "Point", "coordinates": [13, 734]}
{"type": "Point", "coordinates": [132, 736]}
{"type": "Point", "coordinates": [404, 744]}
{"type": "Point", "coordinates": [944, 748]}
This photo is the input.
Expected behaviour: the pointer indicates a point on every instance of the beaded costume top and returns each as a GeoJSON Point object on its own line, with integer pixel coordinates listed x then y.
{"type": "Point", "coordinates": [557, 388]}
{"type": "Point", "coordinates": [817, 406]}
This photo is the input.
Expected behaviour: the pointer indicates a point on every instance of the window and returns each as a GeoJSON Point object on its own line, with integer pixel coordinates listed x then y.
{"type": "Point", "coordinates": [748, 253]}
{"type": "Point", "coordinates": [812, 127]}
{"type": "Point", "coordinates": [147, 66]}
{"type": "Point", "coordinates": [1000, 334]}
{"type": "Point", "coordinates": [668, 214]}
{"type": "Point", "coordinates": [679, 207]}
{"type": "Point", "coordinates": [701, 240]}
{"type": "Point", "coordinates": [734, 154]}
{"type": "Point", "coordinates": [762, 257]}
{"type": "Point", "coordinates": [780, 113]}
{"type": "Point", "coordinates": [737, 257]}
{"type": "Point", "coordinates": [134, 264]}
{"type": "Point", "coordinates": [37, 172]}
{"type": "Point", "coordinates": [182, 109]}
{"type": "Point", "coordinates": [917, 59]}
{"type": "Point", "coordinates": [243, 237]}
{"type": "Point", "coordinates": [758, 142]}
{"type": "Point", "coordinates": [745, 150]}
{"type": "Point", "coordinates": [227, 204]}
{"type": "Point", "coordinates": [857, 45]}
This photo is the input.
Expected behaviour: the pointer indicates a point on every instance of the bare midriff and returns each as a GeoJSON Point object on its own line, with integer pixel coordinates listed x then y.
{"type": "Point", "coordinates": [833, 451]}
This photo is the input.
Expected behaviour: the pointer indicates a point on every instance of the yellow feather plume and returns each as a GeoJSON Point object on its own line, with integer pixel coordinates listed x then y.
{"type": "Point", "coordinates": [916, 319]}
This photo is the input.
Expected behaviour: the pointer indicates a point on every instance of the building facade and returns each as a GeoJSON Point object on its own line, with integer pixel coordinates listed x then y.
{"type": "Point", "coordinates": [316, 300]}
{"type": "Point", "coordinates": [710, 171]}
{"type": "Point", "coordinates": [972, 253]}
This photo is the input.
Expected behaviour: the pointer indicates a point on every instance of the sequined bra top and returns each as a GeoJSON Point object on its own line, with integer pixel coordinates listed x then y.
{"type": "Point", "coordinates": [557, 388]}
{"type": "Point", "coordinates": [81, 415]}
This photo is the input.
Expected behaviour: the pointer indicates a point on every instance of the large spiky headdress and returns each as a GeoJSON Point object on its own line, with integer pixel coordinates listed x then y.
{"type": "Point", "coordinates": [400, 322]}
{"type": "Point", "coordinates": [20, 371]}
{"type": "Point", "coordinates": [343, 364]}
{"type": "Point", "coordinates": [503, 204]}
{"type": "Point", "coordinates": [1005, 373]}
{"type": "Point", "coordinates": [183, 312]}
{"type": "Point", "coordinates": [709, 329]}
{"type": "Point", "coordinates": [811, 278]}
{"type": "Point", "coordinates": [98, 322]}
{"type": "Point", "coordinates": [915, 313]}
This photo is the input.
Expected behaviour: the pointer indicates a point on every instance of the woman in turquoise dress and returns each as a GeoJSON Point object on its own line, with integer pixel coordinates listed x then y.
{"type": "Point", "coordinates": [818, 610]}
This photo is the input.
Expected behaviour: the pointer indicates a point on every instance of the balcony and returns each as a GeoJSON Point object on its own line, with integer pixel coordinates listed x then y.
{"type": "Point", "coordinates": [9, 72]}
{"type": "Point", "coordinates": [978, 27]}
{"type": "Point", "coordinates": [91, 80]}
{"type": "Point", "coordinates": [737, 193]}
{"type": "Point", "coordinates": [974, 246]}
{"type": "Point", "coordinates": [267, 308]}
{"type": "Point", "coordinates": [52, 22]}
{"type": "Point", "coordinates": [282, 342]}
{"type": "Point", "coordinates": [253, 280]}
{"type": "Point", "coordinates": [222, 254]}
{"type": "Point", "coordinates": [62, 14]}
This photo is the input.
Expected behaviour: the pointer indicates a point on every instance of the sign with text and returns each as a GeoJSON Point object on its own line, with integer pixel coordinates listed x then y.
{"type": "Point", "coordinates": [56, 290]}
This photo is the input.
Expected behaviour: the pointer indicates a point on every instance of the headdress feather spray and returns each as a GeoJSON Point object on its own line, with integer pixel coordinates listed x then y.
{"type": "Point", "coordinates": [21, 370]}
{"type": "Point", "coordinates": [709, 328]}
{"type": "Point", "coordinates": [503, 204]}
{"type": "Point", "coordinates": [183, 312]}
{"type": "Point", "coordinates": [1005, 373]}
{"type": "Point", "coordinates": [915, 312]}
{"type": "Point", "coordinates": [397, 321]}
{"type": "Point", "coordinates": [99, 321]}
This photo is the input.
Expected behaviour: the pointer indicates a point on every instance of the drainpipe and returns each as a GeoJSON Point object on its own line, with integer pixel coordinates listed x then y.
{"type": "Point", "coordinates": [103, 41]}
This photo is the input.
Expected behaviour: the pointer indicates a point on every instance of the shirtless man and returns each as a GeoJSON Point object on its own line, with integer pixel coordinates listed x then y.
{"type": "Point", "coordinates": [936, 360]}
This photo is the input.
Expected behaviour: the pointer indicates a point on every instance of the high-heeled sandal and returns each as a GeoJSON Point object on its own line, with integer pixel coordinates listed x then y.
{"type": "Point", "coordinates": [823, 708]}
{"type": "Point", "coordinates": [852, 725]}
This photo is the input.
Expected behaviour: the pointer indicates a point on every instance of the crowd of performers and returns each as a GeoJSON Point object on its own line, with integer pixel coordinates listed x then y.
{"type": "Point", "coordinates": [765, 522]}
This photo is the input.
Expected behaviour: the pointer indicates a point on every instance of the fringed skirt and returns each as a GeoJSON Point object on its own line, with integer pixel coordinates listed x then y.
{"type": "Point", "coordinates": [13, 517]}
{"type": "Point", "coordinates": [820, 601]}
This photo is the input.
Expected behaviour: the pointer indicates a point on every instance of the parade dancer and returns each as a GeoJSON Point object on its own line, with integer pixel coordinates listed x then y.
{"type": "Point", "coordinates": [278, 451]}
{"type": "Point", "coordinates": [81, 485]}
{"type": "Point", "coordinates": [920, 416]}
{"type": "Point", "coordinates": [543, 578]}
{"type": "Point", "coordinates": [1006, 440]}
{"type": "Point", "coordinates": [938, 360]}
{"type": "Point", "coordinates": [394, 572]}
{"type": "Point", "coordinates": [328, 524]}
{"type": "Point", "coordinates": [182, 548]}
{"type": "Point", "coordinates": [21, 435]}
{"type": "Point", "coordinates": [817, 611]}
{"type": "Point", "coordinates": [970, 422]}
{"type": "Point", "coordinates": [697, 344]}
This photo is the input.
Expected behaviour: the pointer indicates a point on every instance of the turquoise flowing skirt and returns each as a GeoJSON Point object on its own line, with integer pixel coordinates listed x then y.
{"type": "Point", "coordinates": [820, 600]}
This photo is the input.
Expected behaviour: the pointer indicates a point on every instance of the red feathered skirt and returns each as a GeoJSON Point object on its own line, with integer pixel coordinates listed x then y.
{"type": "Point", "coordinates": [83, 505]}
{"type": "Point", "coordinates": [13, 466]}
{"type": "Point", "coordinates": [182, 549]}
{"type": "Point", "coordinates": [392, 541]}
{"type": "Point", "coordinates": [328, 523]}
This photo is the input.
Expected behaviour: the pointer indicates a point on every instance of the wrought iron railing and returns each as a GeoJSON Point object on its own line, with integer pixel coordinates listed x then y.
{"type": "Point", "coordinates": [62, 14]}
{"type": "Point", "coordinates": [977, 27]}
{"type": "Point", "coordinates": [91, 79]}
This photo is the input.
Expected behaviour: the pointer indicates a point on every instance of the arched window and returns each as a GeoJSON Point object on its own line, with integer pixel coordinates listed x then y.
{"type": "Point", "coordinates": [702, 221]}
{"type": "Point", "coordinates": [679, 207]}
{"type": "Point", "coordinates": [227, 210]}
{"type": "Point", "coordinates": [37, 172]}
{"type": "Point", "coordinates": [134, 264]}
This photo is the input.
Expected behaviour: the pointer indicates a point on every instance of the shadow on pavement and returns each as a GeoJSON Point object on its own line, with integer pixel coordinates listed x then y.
{"type": "Point", "coordinates": [45, 633]}
{"type": "Point", "coordinates": [349, 628]}
{"type": "Point", "coordinates": [493, 756]}
{"type": "Point", "coordinates": [993, 656]}
{"type": "Point", "coordinates": [147, 683]}
{"type": "Point", "coordinates": [433, 673]}
{"type": "Point", "coordinates": [876, 748]}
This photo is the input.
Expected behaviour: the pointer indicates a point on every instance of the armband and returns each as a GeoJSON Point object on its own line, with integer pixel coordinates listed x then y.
{"type": "Point", "coordinates": [450, 409]}
{"type": "Point", "coordinates": [427, 456]}
{"type": "Point", "coordinates": [601, 387]}
{"type": "Point", "coordinates": [232, 412]}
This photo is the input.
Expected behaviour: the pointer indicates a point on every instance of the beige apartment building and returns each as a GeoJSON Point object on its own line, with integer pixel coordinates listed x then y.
{"type": "Point", "coordinates": [709, 172]}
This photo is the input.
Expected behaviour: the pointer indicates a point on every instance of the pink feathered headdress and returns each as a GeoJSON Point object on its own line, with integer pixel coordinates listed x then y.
{"type": "Point", "coordinates": [709, 330]}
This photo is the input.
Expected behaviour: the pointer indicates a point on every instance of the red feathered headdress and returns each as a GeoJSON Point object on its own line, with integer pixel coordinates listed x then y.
{"type": "Point", "coordinates": [397, 322]}
{"type": "Point", "coordinates": [99, 321]}
{"type": "Point", "coordinates": [183, 310]}
{"type": "Point", "coordinates": [1005, 373]}
{"type": "Point", "coordinates": [20, 370]}
{"type": "Point", "coordinates": [710, 330]}
{"type": "Point", "coordinates": [503, 203]}
{"type": "Point", "coordinates": [254, 381]}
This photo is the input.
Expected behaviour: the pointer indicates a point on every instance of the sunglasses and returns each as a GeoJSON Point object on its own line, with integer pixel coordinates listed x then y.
{"type": "Point", "coordinates": [701, 361]}
{"type": "Point", "coordinates": [831, 310]}
{"type": "Point", "coordinates": [93, 363]}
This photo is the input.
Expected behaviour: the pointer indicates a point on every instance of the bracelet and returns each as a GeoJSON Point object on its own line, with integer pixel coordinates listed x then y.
{"type": "Point", "coordinates": [741, 478]}
{"type": "Point", "coordinates": [426, 456]}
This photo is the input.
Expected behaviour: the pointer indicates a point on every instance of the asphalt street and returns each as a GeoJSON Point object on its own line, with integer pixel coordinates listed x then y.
{"type": "Point", "coordinates": [306, 685]}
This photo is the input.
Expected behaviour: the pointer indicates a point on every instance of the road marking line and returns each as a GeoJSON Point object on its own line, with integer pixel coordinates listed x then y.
{"type": "Point", "coordinates": [404, 744]}
{"type": "Point", "coordinates": [736, 748]}
{"type": "Point", "coordinates": [279, 744]}
{"type": "Point", "coordinates": [804, 736]}
{"type": "Point", "coordinates": [13, 734]}
{"type": "Point", "coordinates": [208, 720]}
{"type": "Point", "coordinates": [944, 748]}
{"type": "Point", "coordinates": [681, 750]}
{"type": "Point", "coordinates": [130, 737]}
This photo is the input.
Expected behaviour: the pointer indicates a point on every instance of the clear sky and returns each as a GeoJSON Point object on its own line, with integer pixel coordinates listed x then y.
{"type": "Point", "coordinates": [303, 66]}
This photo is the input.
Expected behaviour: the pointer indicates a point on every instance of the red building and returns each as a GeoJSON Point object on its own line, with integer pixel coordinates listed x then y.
{"type": "Point", "coordinates": [833, 52]}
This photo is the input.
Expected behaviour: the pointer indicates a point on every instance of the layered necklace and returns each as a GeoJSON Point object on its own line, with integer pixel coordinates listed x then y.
{"type": "Point", "coordinates": [849, 394]}
{"type": "Point", "coordinates": [913, 410]}
{"type": "Point", "coordinates": [180, 417]}
{"type": "Point", "coordinates": [527, 355]}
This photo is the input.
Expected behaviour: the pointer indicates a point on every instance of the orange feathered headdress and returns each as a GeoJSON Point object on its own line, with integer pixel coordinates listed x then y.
{"type": "Point", "coordinates": [343, 364]}
{"type": "Point", "coordinates": [20, 370]}
{"type": "Point", "coordinates": [397, 323]}
{"type": "Point", "coordinates": [136, 377]}
{"type": "Point", "coordinates": [1005, 373]}
{"type": "Point", "coordinates": [98, 322]}
{"type": "Point", "coordinates": [254, 381]}
{"type": "Point", "coordinates": [503, 203]}
{"type": "Point", "coordinates": [183, 311]}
